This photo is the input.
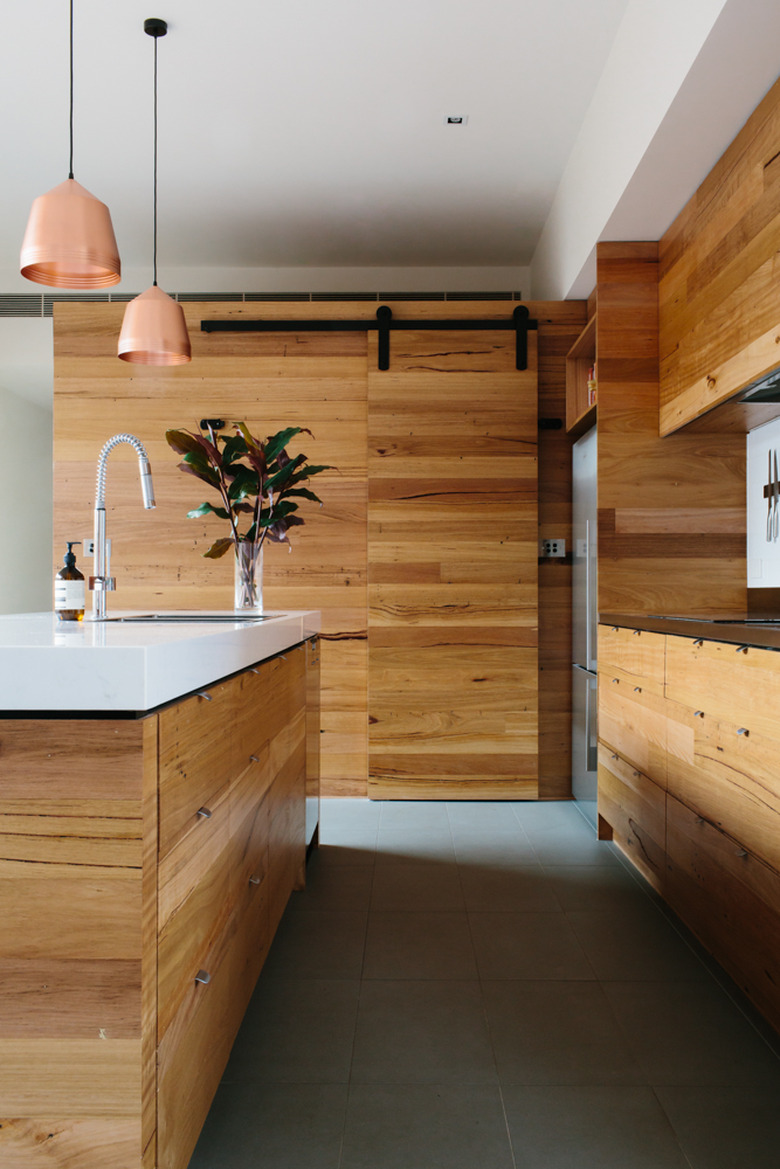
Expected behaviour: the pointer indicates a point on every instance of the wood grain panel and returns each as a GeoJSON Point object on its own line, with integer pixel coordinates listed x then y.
{"type": "Point", "coordinates": [635, 809]}
{"type": "Point", "coordinates": [455, 523]}
{"type": "Point", "coordinates": [102, 1143]}
{"type": "Point", "coordinates": [690, 557]}
{"type": "Point", "coordinates": [319, 381]}
{"type": "Point", "coordinates": [718, 314]}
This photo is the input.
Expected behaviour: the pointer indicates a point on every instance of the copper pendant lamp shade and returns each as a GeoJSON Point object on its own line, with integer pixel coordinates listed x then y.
{"type": "Point", "coordinates": [69, 241]}
{"type": "Point", "coordinates": [154, 331]}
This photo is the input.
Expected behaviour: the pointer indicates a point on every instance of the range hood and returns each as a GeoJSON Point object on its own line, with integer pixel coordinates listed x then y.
{"type": "Point", "coordinates": [763, 389]}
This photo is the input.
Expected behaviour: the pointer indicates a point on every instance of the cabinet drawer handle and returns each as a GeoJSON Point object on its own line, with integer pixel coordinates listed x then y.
{"type": "Point", "coordinates": [616, 681]}
{"type": "Point", "coordinates": [615, 628]}
{"type": "Point", "coordinates": [615, 755]}
{"type": "Point", "coordinates": [742, 649]}
{"type": "Point", "coordinates": [254, 880]}
{"type": "Point", "coordinates": [254, 759]}
{"type": "Point", "coordinates": [253, 670]}
{"type": "Point", "coordinates": [637, 690]}
{"type": "Point", "coordinates": [698, 714]}
{"type": "Point", "coordinates": [699, 819]}
{"type": "Point", "coordinates": [637, 632]}
{"type": "Point", "coordinates": [203, 694]}
{"type": "Point", "coordinates": [741, 852]}
{"type": "Point", "coordinates": [204, 812]}
{"type": "Point", "coordinates": [743, 731]}
{"type": "Point", "coordinates": [203, 976]}
{"type": "Point", "coordinates": [699, 641]}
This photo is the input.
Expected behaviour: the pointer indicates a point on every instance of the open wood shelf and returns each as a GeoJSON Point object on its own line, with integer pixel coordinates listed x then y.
{"type": "Point", "coordinates": [580, 412]}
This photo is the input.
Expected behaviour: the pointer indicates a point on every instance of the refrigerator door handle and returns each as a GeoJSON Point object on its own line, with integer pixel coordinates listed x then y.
{"type": "Point", "coordinates": [588, 646]}
{"type": "Point", "coordinates": [591, 723]}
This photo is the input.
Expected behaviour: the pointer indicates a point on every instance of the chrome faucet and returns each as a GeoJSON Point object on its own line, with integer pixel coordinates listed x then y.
{"type": "Point", "coordinates": [102, 582]}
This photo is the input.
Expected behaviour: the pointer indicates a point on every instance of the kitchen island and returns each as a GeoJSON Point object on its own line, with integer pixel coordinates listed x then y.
{"type": "Point", "coordinates": [689, 778]}
{"type": "Point", "coordinates": [152, 827]}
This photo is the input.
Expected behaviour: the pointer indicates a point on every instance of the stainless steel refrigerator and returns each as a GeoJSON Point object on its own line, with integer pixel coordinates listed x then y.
{"type": "Point", "coordinates": [584, 625]}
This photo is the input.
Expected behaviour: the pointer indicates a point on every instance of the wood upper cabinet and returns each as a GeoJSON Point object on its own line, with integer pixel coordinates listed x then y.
{"type": "Point", "coordinates": [129, 947]}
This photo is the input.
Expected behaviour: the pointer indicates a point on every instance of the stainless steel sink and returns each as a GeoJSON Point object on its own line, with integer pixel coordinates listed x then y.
{"type": "Point", "coordinates": [193, 618]}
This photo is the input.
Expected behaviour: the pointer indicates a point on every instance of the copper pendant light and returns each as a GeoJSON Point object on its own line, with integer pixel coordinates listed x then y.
{"type": "Point", "coordinates": [69, 241]}
{"type": "Point", "coordinates": [154, 331]}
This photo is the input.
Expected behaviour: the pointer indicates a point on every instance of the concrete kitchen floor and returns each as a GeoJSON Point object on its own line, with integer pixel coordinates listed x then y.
{"type": "Point", "coordinates": [487, 986]}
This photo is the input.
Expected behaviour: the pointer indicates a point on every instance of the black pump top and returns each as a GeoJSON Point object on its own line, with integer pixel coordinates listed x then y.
{"type": "Point", "coordinates": [70, 555]}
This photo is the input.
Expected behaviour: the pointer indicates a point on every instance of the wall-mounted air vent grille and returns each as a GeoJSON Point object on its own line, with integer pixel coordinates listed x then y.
{"type": "Point", "coordinates": [42, 305]}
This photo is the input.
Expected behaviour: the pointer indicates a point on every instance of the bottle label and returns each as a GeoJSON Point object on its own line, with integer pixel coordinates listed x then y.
{"type": "Point", "coordinates": [69, 594]}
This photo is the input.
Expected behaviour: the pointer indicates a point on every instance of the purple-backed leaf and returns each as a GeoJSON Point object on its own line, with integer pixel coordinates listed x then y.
{"type": "Point", "coordinates": [219, 548]}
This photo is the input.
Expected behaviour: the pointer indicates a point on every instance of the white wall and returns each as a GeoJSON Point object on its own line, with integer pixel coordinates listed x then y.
{"type": "Point", "coordinates": [26, 391]}
{"type": "Point", "coordinates": [681, 80]}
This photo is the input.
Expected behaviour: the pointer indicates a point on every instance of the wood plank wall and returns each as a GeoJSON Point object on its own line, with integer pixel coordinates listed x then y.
{"type": "Point", "coordinates": [314, 380]}
{"type": "Point", "coordinates": [453, 554]}
{"type": "Point", "coordinates": [718, 275]}
{"type": "Point", "coordinates": [671, 510]}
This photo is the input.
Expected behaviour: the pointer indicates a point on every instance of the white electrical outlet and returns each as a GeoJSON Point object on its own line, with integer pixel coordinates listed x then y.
{"type": "Point", "coordinates": [88, 546]}
{"type": "Point", "coordinates": [552, 548]}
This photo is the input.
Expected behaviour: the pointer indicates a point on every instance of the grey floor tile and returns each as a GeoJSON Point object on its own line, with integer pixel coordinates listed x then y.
{"type": "Point", "coordinates": [572, 849]}
{"type": "Point", "coordinates": [348, 851]}
{"type": "Point", "coordinates": [419, 945]}
{"type": "Point", "coordinates": [422, 1032]}
{"type": "Point", "coordinates": [498, 889]}
{"type": "Point", "coordinates": [325, 944]}
{"type": "Point", "coordinates": [417, 886]}
{"type": "Point", "coordinates": [296, 1031]}
{"type": "Point", "coordinates": [590, 1128]}
{"type": "Point", "coordinates": [504, 849]}
{"type": "Point", "coordinates": [636, 943]}
{"type": "Point", "coordinates": [478, 815]}
{"type": "Point", "coordinates": [550, 815]}
{"type": "Point", "coordinates": [725, 1128]}
{"type": "Point", "coordinates": [334, 886]}
{"type": "Point", "coordinates": [691, 1033]}
{"type": "Point", "coordinates": [557, 1033]}
{"type": "Point", "coordinates": [276, 1126]}
{"type": "Point", "coordinates": [401, 846]}
{"type": "Point", "coordinates": [337, 811]}
{"type": "Point", "coordinates": [588, 888]}
{"type": "Point", "coordinates": [425, 1127]}
{"type": "Point", "coordinates": [414, 815]}
{"type": "Point", "coordinates": [528, 945]}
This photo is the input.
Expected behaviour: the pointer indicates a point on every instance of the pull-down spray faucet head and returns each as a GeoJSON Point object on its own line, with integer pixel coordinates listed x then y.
{"type": "Point", "coordinates": [102, 582]}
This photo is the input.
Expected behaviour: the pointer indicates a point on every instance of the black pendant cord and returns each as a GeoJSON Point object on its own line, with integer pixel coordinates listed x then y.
{"type": "Point", "coordinates": [154, 211]}
{"type": "Point", "coordinates": [70, 166]}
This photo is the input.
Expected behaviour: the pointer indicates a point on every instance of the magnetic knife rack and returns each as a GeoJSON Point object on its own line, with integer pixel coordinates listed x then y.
{"type": "Point", "coordinates": [385, 323]}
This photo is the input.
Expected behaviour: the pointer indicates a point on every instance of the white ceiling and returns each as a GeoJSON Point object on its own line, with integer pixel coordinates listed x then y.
{"type": "Point", "coordinates": [310, 138]}
{"type": "Point", "coordinates": [305, 133]}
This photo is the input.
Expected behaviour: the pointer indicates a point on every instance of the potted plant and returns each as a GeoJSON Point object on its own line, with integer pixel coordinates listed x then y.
{"type": "Point", "coordinates": [259, 485]}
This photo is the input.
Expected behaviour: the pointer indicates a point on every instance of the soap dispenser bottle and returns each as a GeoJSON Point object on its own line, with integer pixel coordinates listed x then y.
{"type": "Point", "coordinates": [69, 590]}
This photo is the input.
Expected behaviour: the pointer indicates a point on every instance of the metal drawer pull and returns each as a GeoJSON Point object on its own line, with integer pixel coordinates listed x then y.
{"type": "Point", "coordinates": [203, 976]}
{"type": "Point", "coordinates": [254, 759]}
{"type": "Point", "coordinates": [742, 649]}
{"type": "Point", "coordinates": [698, 714]}
{"type": "Point", "coordinates": [254, 880]}
{"type": "Point", "coordinates": [741, 852]}
{"type": "Point", "coordinates": [637, 632]}
{"type": "Point", "coordinates": [253, 670]}
{"type": "Point", "coordinates": [616, 681]}
{"type": "Point", "coordinates": [615, 756]}
{"type": "Point", "coordinates": [699, 641]}
{"type": "Point", "coordinates": [743, 731]}
{"type": "Point", "coordinates": [615, 628]}
{"type": "Point", "coordinates": [699, 819]}
{"type": "Point", "coordinates": [204, 812]}
{"type": "Point", "coordinates": [637, 690]}
{"type": "Point", "coordinates": [203, 694]}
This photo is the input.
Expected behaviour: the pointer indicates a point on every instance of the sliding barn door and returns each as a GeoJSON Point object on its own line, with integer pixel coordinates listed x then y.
{"type": "Point", "coordinates": [452, 553]}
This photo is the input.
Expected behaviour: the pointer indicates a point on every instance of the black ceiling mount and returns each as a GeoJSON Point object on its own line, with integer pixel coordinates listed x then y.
{"type": "Point", "coordinates": [155, 27]}
{"type": "Point", "coordinates": [385, 323]}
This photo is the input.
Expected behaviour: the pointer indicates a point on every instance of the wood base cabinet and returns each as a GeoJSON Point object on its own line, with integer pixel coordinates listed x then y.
{"type": "Point", "coordinates": [144, 865]}
{"type": "Point", "coordinates": [689, 788]}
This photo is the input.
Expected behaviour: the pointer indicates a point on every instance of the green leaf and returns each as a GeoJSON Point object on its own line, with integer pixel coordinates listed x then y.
{"type": "Point", "coordinates": [205, 509]}
{"type": "Point", "coordinates": [277, 442]}
{"type": "Point", "coordinates": [304, 493]}
{"type": "Point", "coordinates": [276, 481]}
{"type": "Point", "coordinates": [244, 483]}
{"type": "Point", "coordinates": [205, 476]}
{"type": "Point", "coordinates": [234, 448]}
{"type": "Point", "coordinates": [219, 548]}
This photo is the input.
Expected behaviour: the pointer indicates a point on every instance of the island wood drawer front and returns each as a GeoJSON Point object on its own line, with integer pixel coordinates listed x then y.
{"type": "Point", "coordinates": [193, 1053]}
{"type": "Point", "coordinates": [635, 809]}
{"type": "Point", "coordinates": [727, 682]}
{"type": "Point", "coordinates": [731, 901]}
{"type": "Point", "coordinates": [194, 903]}
{"type": "Point", "coordinates": [733, 781]}
{"type": "Point", "coordinates": [196, 759]}
{"type": "Point", "coordinates": [633, 722]}
{"type": "Point", "coordinates": [634, 652]}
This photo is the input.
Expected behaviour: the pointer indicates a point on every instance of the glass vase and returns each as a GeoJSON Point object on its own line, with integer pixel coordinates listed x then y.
{"type": "Point", "coordinates": [248, 578]}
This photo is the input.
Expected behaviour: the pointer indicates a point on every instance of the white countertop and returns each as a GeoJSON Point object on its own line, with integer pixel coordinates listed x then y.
{"type": "Point", "coordinates": [52, 665]}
